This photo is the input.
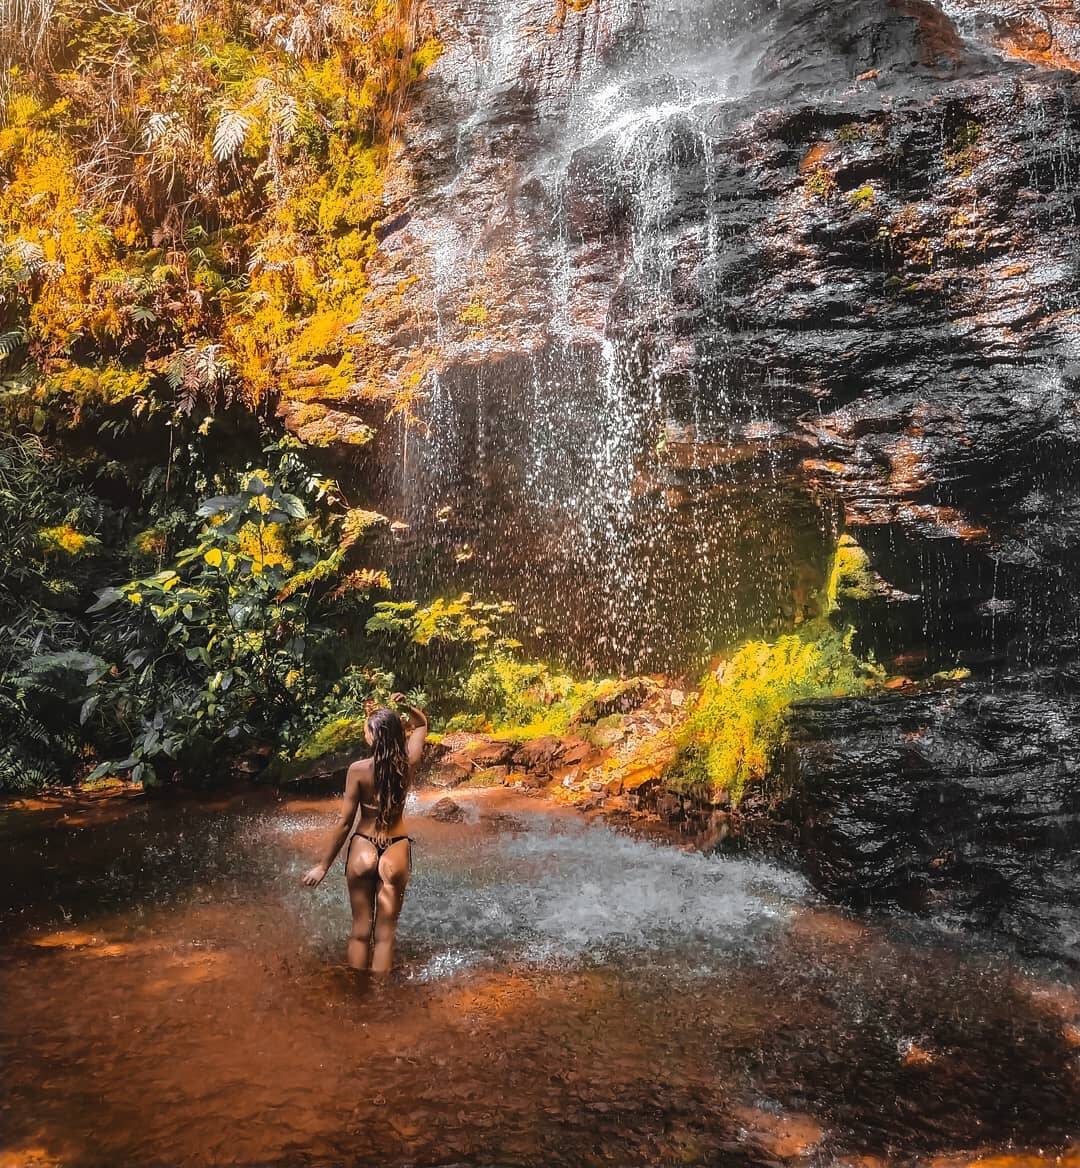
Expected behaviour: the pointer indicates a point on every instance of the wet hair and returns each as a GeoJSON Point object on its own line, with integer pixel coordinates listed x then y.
{"type": "Point", "coordinates": [391, 764]}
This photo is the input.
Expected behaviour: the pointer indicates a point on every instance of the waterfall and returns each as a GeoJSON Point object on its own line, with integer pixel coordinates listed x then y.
{"type": "Point", "coordinates": [583, 454]}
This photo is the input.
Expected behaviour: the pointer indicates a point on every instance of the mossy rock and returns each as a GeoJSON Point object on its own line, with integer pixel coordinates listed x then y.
{"type": "Point", "coordinates": [614, 697]}
{"type": "Point", "coordinates": [328, 750]}
{"type": "Point", "coordinates": [852, 577]}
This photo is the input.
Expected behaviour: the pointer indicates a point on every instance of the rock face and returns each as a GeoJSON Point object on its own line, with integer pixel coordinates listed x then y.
{"type": "Point", "coordinates": [646, 253]}
{"type": "Point", "coordinates": [726, 244]}
{"type": "Point", "coordinates": [964, 802]}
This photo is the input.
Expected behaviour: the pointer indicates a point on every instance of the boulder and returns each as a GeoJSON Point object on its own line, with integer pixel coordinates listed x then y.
{"type": "Point", "coordinates": [450, 772]}
{"type": "Point", "coordinates": [538, 754]}
{"type": "Point", "coordinates": [445, 810]}
{"type": "Point", "coordinates": [490, 753]}
{"type": "Point", "coordinates": [962, 803]}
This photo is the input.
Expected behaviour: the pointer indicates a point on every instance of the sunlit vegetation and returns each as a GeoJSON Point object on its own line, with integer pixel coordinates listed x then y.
{"type": "Point", "coordinates": [188, 204]}
{"type": "Point", "coordinates": [851, 577]}
{"type": "Point", "coordinates": [191, 196]}
{"type": "Point", "coordinates": [820, 184]}
{"type": "Point", "coordinates": [739, 724]}
{"type": "Point", "coordinates": [477, 669]}
{"type": "Point", "coordinates": [862, 198]}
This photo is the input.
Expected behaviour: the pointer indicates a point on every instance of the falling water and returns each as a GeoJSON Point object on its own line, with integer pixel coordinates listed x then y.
{"type": "Point", "coordinates": [601, 474]}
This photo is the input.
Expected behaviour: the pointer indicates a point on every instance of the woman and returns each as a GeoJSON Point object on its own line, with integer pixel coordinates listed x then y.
{"type": "Point", "coordinates": [378, 858]}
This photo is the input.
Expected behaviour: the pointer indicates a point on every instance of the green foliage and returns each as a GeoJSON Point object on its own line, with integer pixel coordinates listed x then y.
{"type": "Point", "coordinates": [862, 198]}
{"type": "Point", "coordinates": [240, 632]}
{"type": "Point", "coordinates": [461, 650]}
{"type": "Point", "coordinates": [43, 663]}
{"type": "Point", "coordinates": [739, 723]}
{"type": "Point", "coordinates": [851, 577]}
{"type": "Point", "coordinates": [465, 622]}
{"type": "Point", "coordinates": [820, 184]}
{"type": "Point", "coordinates": [524, 699]}
{"type": "Point", "coordinates": [962, 153]}
{"type": "Point", "coordinates": [333, 737]}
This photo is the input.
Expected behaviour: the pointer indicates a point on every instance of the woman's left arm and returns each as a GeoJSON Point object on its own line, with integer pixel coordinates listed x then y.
{"type": "Point", "coordinates": [418, 730]}
{"type": "Point", "coordinates": [346, 817]}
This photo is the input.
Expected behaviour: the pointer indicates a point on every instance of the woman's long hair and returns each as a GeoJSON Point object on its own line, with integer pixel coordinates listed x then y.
{"type": "Point", "coordinates": [391, 765]}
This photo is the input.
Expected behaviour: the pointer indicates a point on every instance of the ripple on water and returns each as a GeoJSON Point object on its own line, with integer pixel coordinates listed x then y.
{"type": "Point", "coordinates": [567, 892]}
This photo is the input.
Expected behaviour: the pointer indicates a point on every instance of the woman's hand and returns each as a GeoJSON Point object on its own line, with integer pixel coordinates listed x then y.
{"type": "Point", "coordinates": [398, 699]}
{"type": "Point", "coordinates": [313, 876]}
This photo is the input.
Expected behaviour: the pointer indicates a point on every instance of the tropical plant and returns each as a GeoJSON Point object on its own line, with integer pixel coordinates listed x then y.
{"type": "Point", "coordinates": [241, 633]}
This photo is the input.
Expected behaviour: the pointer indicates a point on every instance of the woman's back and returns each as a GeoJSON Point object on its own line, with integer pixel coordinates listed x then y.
{"type": "Point", "coordinates": [367, 814]}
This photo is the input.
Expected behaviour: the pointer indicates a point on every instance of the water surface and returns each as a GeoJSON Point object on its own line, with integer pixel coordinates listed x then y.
{"type": "Point", "coordinates": [568, 995]}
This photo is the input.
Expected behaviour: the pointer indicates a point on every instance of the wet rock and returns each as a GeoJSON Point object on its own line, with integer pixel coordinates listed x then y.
{"type": "Point", "coordinates": [667, 805]}
{"type": "Point", "coordinates": [491, 754]}
{"type": "Point", "coordinates": [445, 810]}
{"type": "Point", "coordinates": [914, 1057]}
{"type": "Point", "coordinates": [621, 699]}
{"type": "Point", "coordinates": [963, 803]}
{"type": "Point", "coordinates": [503, 821]}
{"type": "Point", "coordinates": [575, 751]}
{"type": "Point", "coordinates": [492, 776]}
{"type": "Point", "coordinates": [785, 1135]}
{"type": "Point", "coordinates": [452, 771]}
{"type": "Point", "coordinates": [539, 754]}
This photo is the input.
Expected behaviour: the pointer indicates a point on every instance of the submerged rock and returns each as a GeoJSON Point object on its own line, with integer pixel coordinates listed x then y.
{"type": "Point", "coordinates": [445, 810]}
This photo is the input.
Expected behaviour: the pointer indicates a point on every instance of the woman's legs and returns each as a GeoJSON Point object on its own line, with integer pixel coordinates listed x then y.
{"type": "Point", "coordinates": [361, 876]}
{"type": "Point", "coordinates": [393, 869]}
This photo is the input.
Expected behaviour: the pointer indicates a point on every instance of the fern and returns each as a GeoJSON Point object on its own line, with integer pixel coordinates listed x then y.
{"type": "Point", "coordinates": [229, 135]}
{"type": "Point", "coordinates": [10, 344]}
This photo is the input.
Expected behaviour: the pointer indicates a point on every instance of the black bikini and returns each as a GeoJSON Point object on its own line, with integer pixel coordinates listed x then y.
{"type": "Point", "coordinates": [380, 843]}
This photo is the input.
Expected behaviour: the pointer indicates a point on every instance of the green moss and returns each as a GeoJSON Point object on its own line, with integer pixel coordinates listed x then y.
{"type": "Point", "coordinates": [820, 184]}
{"type": "Point", "coordinates": [489, 777]}
{"type": "Point", "coordinates": [852, 133]}
{"type": "Point", "coordinates": [739, 723]}
{"type": "Point", "coordinates": [962, 153]}
{"type": "Point", "coordinates": [333, 737]}
{"type": "Point", "coordinates": [851, 577]}
{"type": "Point", "coordinates": [862, 198]}
{"type": "Point", "coordinates": [474, 315]}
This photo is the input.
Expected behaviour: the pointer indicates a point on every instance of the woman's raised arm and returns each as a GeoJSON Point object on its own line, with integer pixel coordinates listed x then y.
{"type": "Point", "coordinates": [417, 733]}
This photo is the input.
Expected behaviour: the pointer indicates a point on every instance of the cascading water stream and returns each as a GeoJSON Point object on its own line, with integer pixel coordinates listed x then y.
{"type": "Point", "coordinates": [601, 476]}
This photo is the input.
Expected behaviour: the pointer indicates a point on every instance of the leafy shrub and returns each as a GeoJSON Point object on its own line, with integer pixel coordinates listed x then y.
{"type": "Point", "coordinates": [241, 632]}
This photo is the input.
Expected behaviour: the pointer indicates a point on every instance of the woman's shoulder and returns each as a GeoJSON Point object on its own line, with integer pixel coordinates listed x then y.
{"type": "Point", "coordinates": [360, 768]}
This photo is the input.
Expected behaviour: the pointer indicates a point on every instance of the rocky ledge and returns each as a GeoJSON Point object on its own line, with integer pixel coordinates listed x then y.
{"type": "Point", "coordinates": [964, 803]}
{"type": "Point", "coordinates": [612, 763]}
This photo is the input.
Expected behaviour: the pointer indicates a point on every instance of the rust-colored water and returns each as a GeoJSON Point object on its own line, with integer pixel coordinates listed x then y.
{"type": "Point", "coordinates": [567, 996]}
